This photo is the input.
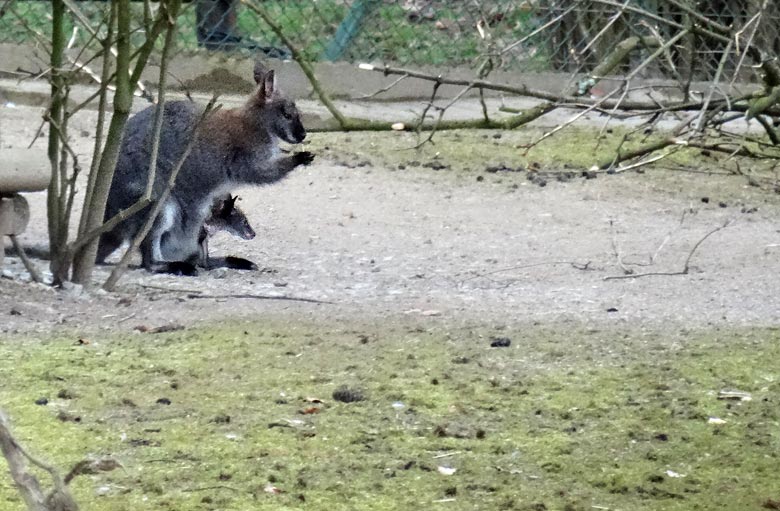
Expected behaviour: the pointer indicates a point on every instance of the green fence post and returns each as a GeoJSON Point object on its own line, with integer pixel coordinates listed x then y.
{"type": "Point", "coordinates": [348, 28]}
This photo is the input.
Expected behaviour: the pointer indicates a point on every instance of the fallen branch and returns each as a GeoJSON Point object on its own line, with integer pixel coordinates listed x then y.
{"type": "Point", "coordinates": [651, 147]}
{"type": "Point", "coordinates": [642, 163]}
{"type": "Point", "coordinates": [27, 483]}
{"type": "Point", "coordinates": [259, 297]}
{"type": "Point", "coordinates": [686, 267]}
{"type": "Point", "coordinates": [194, 293]}
{"type": "Point", "coordinates": [28, 265]}
{"type": "Point", "coordinates": [523, 90]}
{"type": "Point", "coordinates": [574, 264]}
{"type": "Point", "coordinates": [59, 497]}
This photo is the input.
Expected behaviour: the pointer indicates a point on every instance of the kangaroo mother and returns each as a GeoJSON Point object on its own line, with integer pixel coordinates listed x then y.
{"type": "Point", "coordinates": [234, 147]}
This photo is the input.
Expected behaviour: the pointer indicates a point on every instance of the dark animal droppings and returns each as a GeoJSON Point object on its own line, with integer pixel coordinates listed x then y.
{"type": "Point", "coordinates": [348, 395]}
{"type": "Point", "coordinates": [500, 342]}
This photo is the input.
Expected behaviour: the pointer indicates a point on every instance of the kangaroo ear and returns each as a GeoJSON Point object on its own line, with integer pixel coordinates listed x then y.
{"type": "Point", "coordinates": [260, 72]}
{"type": "Point", "coordinates": [231, 201]}
{"type": "Point", "coordinates": [266, 81]}
{"type": "Point", "coordinates": [269, 84]}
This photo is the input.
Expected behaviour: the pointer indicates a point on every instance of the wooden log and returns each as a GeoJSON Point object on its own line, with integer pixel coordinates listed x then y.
{"type": "Point", "coordinates": [14, 215]}
{"type": "Point", "coordinates": [23, 170]}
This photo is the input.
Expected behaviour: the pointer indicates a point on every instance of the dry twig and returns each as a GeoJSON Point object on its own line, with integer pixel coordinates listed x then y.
{"type": "Point", "coordinates": [686, 266]}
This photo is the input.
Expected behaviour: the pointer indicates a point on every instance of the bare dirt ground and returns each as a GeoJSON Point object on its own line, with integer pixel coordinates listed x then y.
{"type": "Point", "coordinates": [375, 233]}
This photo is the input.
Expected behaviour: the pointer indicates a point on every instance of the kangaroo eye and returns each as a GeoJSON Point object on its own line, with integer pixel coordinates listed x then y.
{"type": "Point", "coordinates": [287, 115]}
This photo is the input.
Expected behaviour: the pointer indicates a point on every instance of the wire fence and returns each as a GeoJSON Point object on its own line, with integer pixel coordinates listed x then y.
{"type": "Point", "coordinates": [527, 35]}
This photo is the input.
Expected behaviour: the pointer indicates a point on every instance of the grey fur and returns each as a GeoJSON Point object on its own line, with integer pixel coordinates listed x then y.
{"type": "Point", "coordinates": [234, 147]}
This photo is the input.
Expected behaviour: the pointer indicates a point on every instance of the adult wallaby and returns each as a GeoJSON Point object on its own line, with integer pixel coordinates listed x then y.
{"type": "Point", "coordinates": [233, 147]}
{"type": "Point", "coordinates": [225, 216]}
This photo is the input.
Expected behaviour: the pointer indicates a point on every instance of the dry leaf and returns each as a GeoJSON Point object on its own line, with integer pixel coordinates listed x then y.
{"type": "Point", "coordinates": [481, 29]}
{"type": "Point", "coordinates": [269, 488]}
{"type": "Point", "coordinates": [159, 329]}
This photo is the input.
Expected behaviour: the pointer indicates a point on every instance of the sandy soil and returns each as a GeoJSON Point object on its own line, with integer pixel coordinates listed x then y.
{"type": "Point", "coordinates": [375, 242]}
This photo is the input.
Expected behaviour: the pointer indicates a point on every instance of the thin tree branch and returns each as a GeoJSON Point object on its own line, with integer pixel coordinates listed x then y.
{"type": "Point", "coordinates": [686, 266]}
{"type": "Point", "coordinates": [28, 265]}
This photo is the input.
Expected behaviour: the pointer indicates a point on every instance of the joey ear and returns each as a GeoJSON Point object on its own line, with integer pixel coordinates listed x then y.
{"type": "Point", "coordinates": [231, 201]}
{"type": "Point", "coordinates": [220, 211]}
{"type": "Point", "coordinates": [269, 84]}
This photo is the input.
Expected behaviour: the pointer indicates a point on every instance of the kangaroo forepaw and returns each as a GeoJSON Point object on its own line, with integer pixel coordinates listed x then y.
{"type": "Point", "coordinates": [303, 158]}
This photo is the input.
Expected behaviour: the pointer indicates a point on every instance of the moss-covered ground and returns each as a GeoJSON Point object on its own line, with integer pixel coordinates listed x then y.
{"type": "Point", "coordinates": [243, 416]}
{"type": "Point", "coordinates": [501, 156]}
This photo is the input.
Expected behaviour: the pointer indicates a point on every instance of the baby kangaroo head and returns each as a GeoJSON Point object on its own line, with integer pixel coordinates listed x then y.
{"type": "Point", "coordinates": [236, 222]}
{"type": "Point", "coordinates": [279, 114]}
{"type": "Point", "coordinates": [226, 216]}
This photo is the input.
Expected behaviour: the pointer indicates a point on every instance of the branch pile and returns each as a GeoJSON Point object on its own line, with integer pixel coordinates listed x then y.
{"type": "Point", "coordinates": [611, 48]}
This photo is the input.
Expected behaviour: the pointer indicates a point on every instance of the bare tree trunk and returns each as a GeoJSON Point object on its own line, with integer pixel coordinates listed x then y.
{"type": "Point", "coordinates": [27, 484]}
{"type": "Point", "coordinates": [94, 208]}
{"type": "Point", "coordinates": [56, 115]}
{"type": "Point", "coordinates": [95, 203]}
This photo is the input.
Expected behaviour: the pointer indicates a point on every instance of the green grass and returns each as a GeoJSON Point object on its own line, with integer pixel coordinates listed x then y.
{"type": "Point", "coordinates": [560, 420]}
{"type": "Point", "coordinates": [386, 35]}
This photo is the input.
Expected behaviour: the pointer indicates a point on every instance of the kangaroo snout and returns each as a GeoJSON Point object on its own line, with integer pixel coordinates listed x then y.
{"type": "Point", "coordinates": [249, 234]}
{"type": "Point", "coordinates": [295, 134]}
